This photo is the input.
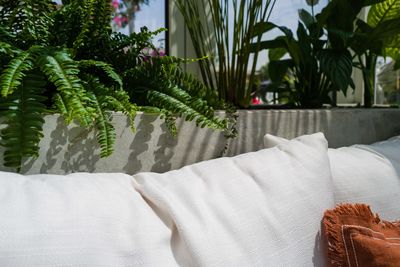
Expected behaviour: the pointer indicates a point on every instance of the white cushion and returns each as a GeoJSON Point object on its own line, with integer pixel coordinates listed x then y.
{"type": "Point", "coordinates": [368, 174]}
{"type": "Point", "coordinates": [257, 209]}
{"type": "Point", "coordinates": [79, 220]}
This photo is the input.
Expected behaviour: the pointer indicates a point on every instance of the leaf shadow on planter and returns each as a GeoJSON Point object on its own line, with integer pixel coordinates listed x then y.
{"type": "Point", "coordinates": [59, 139]}
{"type": "Point", "coordinates": [83, 151]}
{"type": "Point", "coordinates": [163, 155]}
{"type": "Point", "coordinates": [140, 144]}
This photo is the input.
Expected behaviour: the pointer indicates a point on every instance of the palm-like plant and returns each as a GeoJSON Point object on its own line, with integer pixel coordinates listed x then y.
{"type": "Point", "coordinates": [67, 60]}
{"type": "Point", "coordinates": [316, 69]}
{"type": "Point", "coordinates": [223, 31]}
{"type": "Point", "coordinates": [378, 36]}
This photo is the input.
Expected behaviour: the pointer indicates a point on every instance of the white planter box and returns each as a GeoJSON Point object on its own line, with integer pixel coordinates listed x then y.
{"type": "Point", "coordinates": [66, 149]}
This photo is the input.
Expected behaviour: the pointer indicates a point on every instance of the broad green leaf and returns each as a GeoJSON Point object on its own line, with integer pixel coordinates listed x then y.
{"type": "Point", "coordinates": [338, 67]}
{"type": "Point", "coordinates": [262, 27]}
{"type": "Point", "coordinates": [306, 18]}
{"type": "Point", "coordinates": [386, 10]}
{"type": "Point", "coordinates": [276, 53]}
{"type": "Point", "coordinates": [279, 69]}
{"type": "Point", "coordinates": [271, 44]}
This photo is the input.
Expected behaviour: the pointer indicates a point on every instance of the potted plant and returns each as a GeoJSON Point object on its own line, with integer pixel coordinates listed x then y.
{"type": "Point", "coordinates": [229, 58]}
{"type": "Point", "coordinates": [327, 48]}
{"type": "Point", "coordinates": [65, 59]}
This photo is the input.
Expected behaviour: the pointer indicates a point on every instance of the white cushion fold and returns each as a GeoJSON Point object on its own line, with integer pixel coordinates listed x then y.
{"type": "Point", "coordinates": [79, 220]}
{"type": "Point", "coordinates": [257, 209]}
{"type": "Point", "coordinates": [368, 174]}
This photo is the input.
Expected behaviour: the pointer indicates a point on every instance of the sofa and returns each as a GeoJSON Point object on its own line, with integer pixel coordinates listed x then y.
{"type": "Point", "coordinates": [257, 209]}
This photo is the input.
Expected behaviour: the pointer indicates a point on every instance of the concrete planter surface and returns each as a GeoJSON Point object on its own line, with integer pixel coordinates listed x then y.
{"type": "Point", "coordinates": [66, 149]}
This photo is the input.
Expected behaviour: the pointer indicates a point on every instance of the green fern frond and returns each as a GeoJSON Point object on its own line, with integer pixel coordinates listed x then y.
{"type": "Point", "coordinates": [104, 67]}
{"type": "Point", "coordinates": [96, 23]}
{"type": "Point", "coordinates": [191, 84]}
{"type": "Point", "coordinates": [29, 20]}
{"type": "Point", "coordinates": [114, 100]}
{"type": "Point", "coordinates": [106, 132]}
{"type": "Point", "coordinates": [88, 23]}
{"type": "Point", "coordinates": [8, 49]}
{"type": "Point", "coordinates": [103, 100]}
{"type": "Point", "coordinates": [23, 111]}
{"type": "Point", "coordinates": [120, 101]}
{"type": "Point", "coordinates": [170, 121]}
{"type": "Point", "coordinates": [189, 113]}
{"type": "Point", "coordinates": [5, 35]}
{"type": "Point", "coordinates": [63, 72]}
{"type": "Point", "coordinates": [167, 60]}
{"type": "Point", "coordinates": [15, 71]}
{"type": "Point", "coordinates": [62, 107]}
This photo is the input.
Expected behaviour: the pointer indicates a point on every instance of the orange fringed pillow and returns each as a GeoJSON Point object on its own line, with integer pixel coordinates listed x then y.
{"type": "Point", "coordinates": [357, 237]}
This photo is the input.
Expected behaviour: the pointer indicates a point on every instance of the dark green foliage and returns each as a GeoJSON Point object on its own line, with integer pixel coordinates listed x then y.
{"type": "Point", "coordinates": [28, 20]}
{"type": "Point", "coordinates": [223, 30]}
{"type": "Point", "coordinates": [161, 83]}
{"type": "Point", "coordinates": [66, 60]}
{"type": "Point", "coordinates": [23, 111]}
{"type": "Point", "coordinates": [313, 71]}
{"type": "Point", "coordinates": [321, 59]}
{"type": "Point", "coordinates": [143, 75]}
{"type": "Point", "coordinates": [378, 36]}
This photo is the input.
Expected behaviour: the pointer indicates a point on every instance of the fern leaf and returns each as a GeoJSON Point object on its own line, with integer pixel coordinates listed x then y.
{"type": "Point", "coordinates": [120, 102]}
{"type": "Point", "coordinates": [103, 100]}
{"type": "Point", "coordinates": [14, 72]}
{"type": "Point", "coordinates": [8, 49]}
{"type": "Point", "coordinates": [174, 105]}
{"type": "Point", "coordinates": [23, 111]}
{"type": "Point", "coordinates": [106, 132]}
{"type": "Point", "coordinates": [62, 71]}
{"type": "Point", "coordinates": [106, 68]}
{"type": "Point", "coordinates": [61, 105]}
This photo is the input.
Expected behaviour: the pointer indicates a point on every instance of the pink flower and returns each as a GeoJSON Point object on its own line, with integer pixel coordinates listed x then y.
{"type": "Point", "coordinates": [157, 53]}
{"type": "Point", "coordinates": [115, 4]}
{"type": "Point", "coordinates": [118, 21]}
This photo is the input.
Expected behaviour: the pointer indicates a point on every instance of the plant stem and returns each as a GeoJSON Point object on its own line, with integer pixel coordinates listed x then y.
{"type": "Point", "coordinates": [368, 70]}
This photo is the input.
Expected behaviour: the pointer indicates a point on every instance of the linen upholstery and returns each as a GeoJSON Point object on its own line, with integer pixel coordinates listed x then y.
{"type": "Point", "coordinates": [257, 209]}
{"type": "Point", "coordinates": [367, 174]}
{"type": "Point", "coordinates": [79, 220]}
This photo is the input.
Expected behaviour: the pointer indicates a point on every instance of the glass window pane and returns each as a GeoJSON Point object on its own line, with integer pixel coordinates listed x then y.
{"type": "Point", "coordinates": [387, 89]}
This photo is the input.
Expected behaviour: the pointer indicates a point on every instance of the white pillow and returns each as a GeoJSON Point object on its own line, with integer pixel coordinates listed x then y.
{"type": "Point", "coordinates": [79, 220]}
{"type": "Point", "coordinates": [367, 174]}
{"type": "Point", "coordinates": [257, 209]}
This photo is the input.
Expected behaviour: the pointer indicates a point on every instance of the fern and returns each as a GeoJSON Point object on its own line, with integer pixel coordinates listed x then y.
{"type": "Point", "coordinates": [23, 111]}
{"type": "Point", "coordinates": [174, 105]}
{"type": "Point", "coordinates": [103, 100]}
{"type": "Point", "coordinates": [106, 132]}
{"type": "Point", "coordinates": [104, 67]}
{"type": "Point", "coordinates": [66, 58]}
{"type": "Point", "coordinates": [95, 29]}
{"type": "Point", "coordinates": [166, 87]}
{"type": "Point", "coordinates": [29, 20]}
{"type": "Point", "coordinates": [62, 71]}
{"type": "Point", "coordinates": [14, 72]}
